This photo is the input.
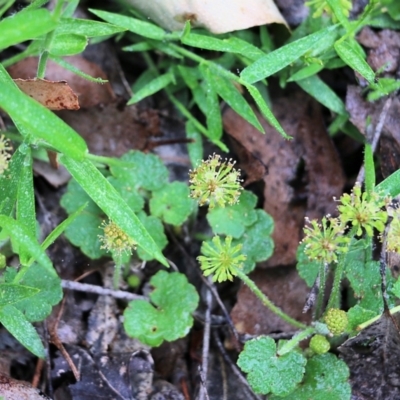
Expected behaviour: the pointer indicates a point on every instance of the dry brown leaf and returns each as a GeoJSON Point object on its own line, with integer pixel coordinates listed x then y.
{"type": "Point", "coordinates": [218, 16]}
{"type": "Point", "coordinates": [12, 389]}
{"type": "Point", "coordinates": [54, 95]}
{"type": "Point", "coordinates": [89, 93]}
{"type": "Point", "coordinates": [301, 176]}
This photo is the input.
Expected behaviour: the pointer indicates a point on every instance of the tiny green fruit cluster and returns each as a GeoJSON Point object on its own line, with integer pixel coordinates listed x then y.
{"type": "Point", "coordinates": [319, 344]}
{"type": "Point", "coordinates": [336, 320]}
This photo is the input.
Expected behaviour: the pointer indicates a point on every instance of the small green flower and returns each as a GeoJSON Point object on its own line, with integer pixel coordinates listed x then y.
{"type": "Point", "coordinates": [115, 240]}
{"type": "Point", "coordinates": [221, 259]}
{"type": "Point", "coordinates": [4, 153]}
{"type": "Point", "coordinates": [393, 235]}
{"type": "Point", "coordinates": [319, 344]}
{"type": "Point", "coordinates": [363, 211]}
{"type": "Point", "coordinates": [325, 241]}
{"type": "Point", "coordinates": [336, 321]}
{"type": "Point", "coordinates": [321, 6]}
{"type": "Point", "coordinates": [215, 182]}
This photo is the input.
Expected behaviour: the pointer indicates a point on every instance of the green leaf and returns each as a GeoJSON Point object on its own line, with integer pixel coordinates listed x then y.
{"type": "Point", "coordinates": [170, 318]}
{"type": "Point", "coordinates": [113, 205]}
{"type": "Point", "coordinates": [233, 220]}
{"type": "Point", "coordinates": [152, 87]}
{"type": "Point", "coordinates": [326, 378]}
{"type": "Point", "coordinates": [86, 27]}
{"type": "Point", "coordinates": [136, 171]}
{"type": "Point", "coordinates": [134, 25]}
{"type": "Point", "coordinates": [172, 203]}
{"type": "Point", "coordinates": [25, 241]}
{"type": "Point", "coordinates": [26, 213]}
{"type": "Point", "coordinates": [49, 293]}
{"type": "Point", "coordinates": [156, 230]}
{"type": "Point", "coordinates": [84, 230]}
{"type": "Point", "coordinates": [307, 269]}
{"type": "Point", "coordinates": [265, 110]}
{"type": "Point", "coordinates": [369, 168]}
{"type": "Point", "coordinates": [364, 275]}
{"type": "Point", "coordinates": [212, 112]}
{"type": "Point", "coordinates": [10, 293]}
{"type": "Point", "coordinates": [231, 95]}
{"type": "Point", "coordinates": [318, 89]}
{"type": "Point", "coordinates": [9, 183]}
{"type": "Point", "coordinates": [68, 44]}
{"type": "Point", "coordinates": [24, 26]}
{"type": "Point", "coordinates": [230, 45]}
{"type": "Point", "coordinates": [38, 121]}
{"type": "Point", "coordinates": [268, 373]}
{"type": "Point", "coordinates": [358, 315]}
{"type": "Point", "coordinates": [282, 57]}
{"type": "Point", "coordinates": [129, 192]}
{"type": "Point", "coordinates": [257, 242]}
{"type": "Point", "coordinates": [391, 185]}
{"type": "Point", "coordinates": [15, 322]}
{"type": "Point", "coordinates": [354, 60]}
{"type": "Point", "coordinates": [195, 148]}
{"type": "Point", "coordinates": [306, 72]}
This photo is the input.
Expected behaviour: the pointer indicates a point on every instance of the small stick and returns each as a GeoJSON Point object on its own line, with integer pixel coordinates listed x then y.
{"type": "Point", "coordinates": [85, 287]}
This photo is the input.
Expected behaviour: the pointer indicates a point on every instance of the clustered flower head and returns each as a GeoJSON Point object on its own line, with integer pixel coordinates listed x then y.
{"type": "Point", "coordinates": [115, 240]}
{"type": "Point", "coordinates": [393, 234]}
{"type": "Point", "coordinates": [363, 210]}
{"type": "Point", "coordinates": [336, 321]}
{"type": "Point", "coordinates": [221, 259]}
{"type": "Point", "coordinates": [321, 6]}
{"type": "Point", "coordinates": [215, 182]}
{"type": "Point", "coordinates": [4, 153]}
{"type": "Point", "coordinates": [325, 241]}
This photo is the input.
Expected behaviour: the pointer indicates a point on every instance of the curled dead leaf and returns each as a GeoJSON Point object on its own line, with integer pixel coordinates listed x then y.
{"type": "Point", "coordinates": [218, 16]}
{"type": "Point", "coordinates": [51, 94]}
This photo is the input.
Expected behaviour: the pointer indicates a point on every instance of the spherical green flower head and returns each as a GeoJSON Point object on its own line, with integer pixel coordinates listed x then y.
{"type": "Point", "coordinates": [393, 235]}
{"type": "Point", "coordinates": [336, 321]}
{"type": "Point", "coordinates": [115, 240]}
{"type": "Point", "coordinates": [221, 259]}
{"type": "Point", "coordinates": [325, 241]}
{"type": "Point", "coordinates": [363, 211]}
{"type": "Point", "coordinates": [215, 182]}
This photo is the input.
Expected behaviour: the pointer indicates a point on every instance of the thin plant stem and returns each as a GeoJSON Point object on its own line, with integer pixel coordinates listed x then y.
{"type": "Point", "coordinates": [117, 271]}
{"type": "Point", "coordinates": [267, 302]}
{"type": "Point", "coordinates": [323, 269]}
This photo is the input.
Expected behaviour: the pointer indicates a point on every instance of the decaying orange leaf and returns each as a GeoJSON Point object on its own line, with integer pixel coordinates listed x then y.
{"type": "Point", "coordinates": [55, 95]}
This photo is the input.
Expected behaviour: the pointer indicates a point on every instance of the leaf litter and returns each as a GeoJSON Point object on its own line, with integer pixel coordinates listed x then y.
{"type": "Point", "coordinates": [292, 180]}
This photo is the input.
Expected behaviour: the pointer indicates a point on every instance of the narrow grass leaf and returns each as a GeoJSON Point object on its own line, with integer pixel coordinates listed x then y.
{"type": "Point", "coordinates": [16, 323]}
{"type": "Point", "coordinates": [391, 185]}
{"type": "Point", "coordinates": [26, 214]}
{"type": "Point", "coordinates": [354, 60]}
{"type": "Point", "coordinates": [24, 26]}
{"type": "Point", "coordinates": [38, 121]}
{"type": "Point", "coordinates": [75, 70]}
{"type": "Point", "coordinates": [134, 25]}
{"type": "Point", "coordinates": [306, 72]}
{"type": "Point", "coordinates": [318, 89]}
{"type": "Point", "coordinates": [369, 168]}
{"type": "Point", "coordinates": [266, 111]}
{"type": "Point", "coordinates": [152, 87]}
{"type": "Point", "coordinates": [68, 44]}
{"type": "Point", "coordinates": [11, 293]}
{"type": "Point", "coordinates": [86, 27]}
{"type": "Point", "coordinates": [282, 57]}
{"type": "Point", "coordinates": [231, 95]}
{"type": "Point", "coordinates": [26, 241]}
{"type": "Point", "coordinates": [213, 112]}
{"type": "Point", "coordinates": [230, 45]}
{"type": "Point", "coordinates": [111, 202]}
